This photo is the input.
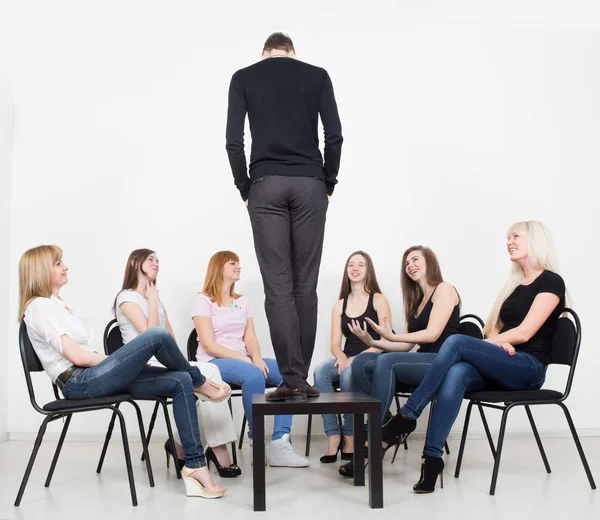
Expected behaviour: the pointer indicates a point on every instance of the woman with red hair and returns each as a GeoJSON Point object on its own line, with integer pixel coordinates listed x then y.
{"type": "Point", "coordinates": [226, 337]}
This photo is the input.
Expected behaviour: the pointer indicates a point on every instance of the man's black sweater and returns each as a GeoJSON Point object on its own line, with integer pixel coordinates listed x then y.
{"type": "Point", "coordinates": [283, 98]}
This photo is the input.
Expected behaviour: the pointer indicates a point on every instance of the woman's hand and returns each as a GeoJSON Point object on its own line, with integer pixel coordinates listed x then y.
{"type": "Point", "coordinates": [151, 293]}
{"type": "Point", "coordinates": [260, 363]}
{"type": "Point", "coordinates": [361, 333]}
{"type": "Point", "coordinates": [508, 347]}
{"type": "Point", "coordinates": [342, 362]}
{"type": "Point", "coordinates": [385, 331]}
{"type": "Point", "coordinates": [502, 344]}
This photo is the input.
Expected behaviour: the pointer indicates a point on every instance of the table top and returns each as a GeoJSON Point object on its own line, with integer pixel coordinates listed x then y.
{"type": "Point", "coordinates": [336, 402]}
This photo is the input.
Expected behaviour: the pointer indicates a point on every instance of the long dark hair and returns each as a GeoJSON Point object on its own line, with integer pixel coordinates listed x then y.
{"type": "Point", "coordinates": [134, 266]}
{"type": "Point", "coordinates": [411, 291]}
{"type": "Point", "coordinates": [370, 284]}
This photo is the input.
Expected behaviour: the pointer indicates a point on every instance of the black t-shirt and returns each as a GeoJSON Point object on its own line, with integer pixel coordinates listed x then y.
{"type": "Point", "coordinates": [420, 322]}
{"type": "Point", "coordinates": [517, 305]}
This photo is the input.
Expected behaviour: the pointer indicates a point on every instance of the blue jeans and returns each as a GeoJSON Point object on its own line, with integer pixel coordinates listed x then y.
{"type": "Point", "coordinates": [252, 381]}
{"type": "Point", "coordinates": [377, 374]}
{"type": "Point", "coordinates": [125, 371]}
{"type": "Point", "coordinates": [466, 364]}
{"type": "Point", "coordinates": [325, 375]}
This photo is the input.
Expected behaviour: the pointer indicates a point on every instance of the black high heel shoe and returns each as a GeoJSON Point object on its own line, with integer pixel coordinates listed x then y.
{"type": "Point", "coordinates": [224, 471]}
{"type": "Point", "coordinates": [329, 459]}
{"type": "Point", "coordinates": [347, 470]}
{"type": "Point", "coordinates": [431, 467]}
{"type": "Point", "coordinates": [169, 453]}
{"type": "Point", "coordinates": [398, 428]}
{"type": "Point", "coordinates": [346, 456]}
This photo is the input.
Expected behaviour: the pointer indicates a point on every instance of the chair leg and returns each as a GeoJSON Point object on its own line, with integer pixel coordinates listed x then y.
{"type": "Point", "coordinates": [447, 448]}
{"type": "Point", "coordinates": [58, 448]}
{"type": "Point", "coordinates": [308, 432]}
{"type": "Point", "coordinates": [537, 439]}
{"type": "Point", "coordinates": [152, 422]}
{"type": "Point", "coordinates": [233, 450]}
{"type": "Point", "coordinates": [145, 454]}
{"type": "Point", "coordinates": [171, 438]}
{"type": "Point", "coordinates": [34, 452]}
{"type": "Point", "coordinates": [499, 450]}
{"type": "Point", "coordinates": [111, 425]}
{"type": "Point", "coordinates": [463, 440]}
{"type": "Point", "coordinates": [578, 445]}
{"type": "Point", "coordinates": [127, 457]}
{"type": "Point", "coordinates": [487, 430]}
{"type": "Point", "coordinates": [396, 452]}
{"type": "Point", "coordinates": [242, 432]}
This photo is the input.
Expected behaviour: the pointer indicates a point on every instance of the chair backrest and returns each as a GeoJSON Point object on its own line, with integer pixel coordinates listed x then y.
{"type": "Point", "coordinates": [192, 345]}
{"type": "Point", "coordinates": [566, 343]}
{"type": "Point", "coordinates": [113, 340]}
{"type": "Point", "coordinates": [31, 363]}
{"type": "Point", "coordinates": [471, 325]}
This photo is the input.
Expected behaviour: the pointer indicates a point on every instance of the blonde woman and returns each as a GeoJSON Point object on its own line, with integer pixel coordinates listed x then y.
{"type": "Point", "coordinates": [61, 341]}
{"type": "Point", "coordinates": [513, 356]}
{"type": "Point", "coordinates": [137, 308]}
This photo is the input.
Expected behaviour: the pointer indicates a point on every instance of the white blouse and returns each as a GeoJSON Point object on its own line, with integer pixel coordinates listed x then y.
{"type": "Point", "coordinates": [47, 320]}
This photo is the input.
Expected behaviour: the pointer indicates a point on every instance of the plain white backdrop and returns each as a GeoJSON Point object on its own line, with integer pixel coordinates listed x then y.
{"type": "Point", "coordinates": [459, 118]}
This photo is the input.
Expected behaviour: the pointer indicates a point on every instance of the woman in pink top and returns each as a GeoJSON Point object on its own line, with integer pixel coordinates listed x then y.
{"type": "Point", "coordinates": [227, 338]}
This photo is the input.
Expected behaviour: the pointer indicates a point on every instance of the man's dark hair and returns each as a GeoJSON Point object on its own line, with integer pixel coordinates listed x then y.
{"type": "Point", "coordinates": [279, 41]}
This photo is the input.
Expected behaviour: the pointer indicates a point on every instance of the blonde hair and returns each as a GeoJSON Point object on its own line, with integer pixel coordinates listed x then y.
{"type": "Point", "coordinates": [214, 276]}
{"type": "Point", "coordinates": [541, 255]}
{"type": "Point", "coordinates": [35, 274]}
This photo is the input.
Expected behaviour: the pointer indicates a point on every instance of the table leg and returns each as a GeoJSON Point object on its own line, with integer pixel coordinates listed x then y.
{"type": "Point", "coordinates": [359, 449]}
{"type": "Point", "coordinates": [375, 463]}
{"type": "Point", "coordinates": [258, 466]}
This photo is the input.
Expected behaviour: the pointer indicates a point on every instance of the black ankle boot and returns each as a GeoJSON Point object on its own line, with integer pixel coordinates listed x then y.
{"type": "Point", "coordinates": [431, 467]}
{"type": "Point", "coordinates": [397, 429]}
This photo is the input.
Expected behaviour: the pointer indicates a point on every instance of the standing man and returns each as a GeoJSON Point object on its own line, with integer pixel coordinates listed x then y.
{"type": "Point", "coordinates": [287, 193]}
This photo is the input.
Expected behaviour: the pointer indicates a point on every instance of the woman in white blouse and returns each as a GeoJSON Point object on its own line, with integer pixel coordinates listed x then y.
{"type": "Point", "coordinates": [61, 342]}
{"type": "Point", "coordinates": [137, 308]}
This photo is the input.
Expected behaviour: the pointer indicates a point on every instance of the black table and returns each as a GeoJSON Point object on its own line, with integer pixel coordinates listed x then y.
{"type": "Point", "coordinates": [339, 402]}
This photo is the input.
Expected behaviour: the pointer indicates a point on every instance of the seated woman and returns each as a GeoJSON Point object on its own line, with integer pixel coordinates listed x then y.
{"type": "Point", "coordinates": [61, 341]}
{"type": "Point", "coordinates": [360, 297]}
{"type": "Point", "coordinates": [513, 356]}
{"type": "Point", "coordinates": [138, 308]}
{"type": "Point", "coordinates": [227, 338]}
{"type": "Point", "coordinates": [432, 314]}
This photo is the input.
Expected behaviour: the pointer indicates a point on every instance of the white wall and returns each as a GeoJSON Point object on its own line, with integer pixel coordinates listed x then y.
{"type": "Point", "coordinates": [459, 118]}
{"type": "Point", "coordinates": [6, 99]}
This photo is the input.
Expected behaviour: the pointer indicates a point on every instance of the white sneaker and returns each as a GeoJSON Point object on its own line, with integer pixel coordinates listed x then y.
{"type": "Point", "coordinates": [281, 454]}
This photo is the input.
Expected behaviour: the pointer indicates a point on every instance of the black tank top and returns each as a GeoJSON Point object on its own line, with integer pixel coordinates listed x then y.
{"type": "Point", "coordinates": [354, 345]}
{"type": "Point", "coordinates": [420, 322]}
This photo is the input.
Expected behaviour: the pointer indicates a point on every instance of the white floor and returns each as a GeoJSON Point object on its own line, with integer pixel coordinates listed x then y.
{"type": "Point", "coordinates": [524, 490]}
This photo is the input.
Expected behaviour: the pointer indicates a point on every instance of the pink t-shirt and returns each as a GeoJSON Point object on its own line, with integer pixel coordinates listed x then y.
{"type": "Point", "coordinates": [228, 324]}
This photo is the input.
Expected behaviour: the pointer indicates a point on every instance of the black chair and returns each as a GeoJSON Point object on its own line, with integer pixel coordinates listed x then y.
{"type": "Point", "coordinates": [470, 325]}
{"type": "Point", "coordinates": [236, 390]}
{"type": "Point", "coordinates": [336, 388]}
{"type": "Point", "coordinates": [565, 349]}
{"type": "Point", "coordinates": [113, 341]}
{"type": "Point", "coordinates": [65, 408]}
